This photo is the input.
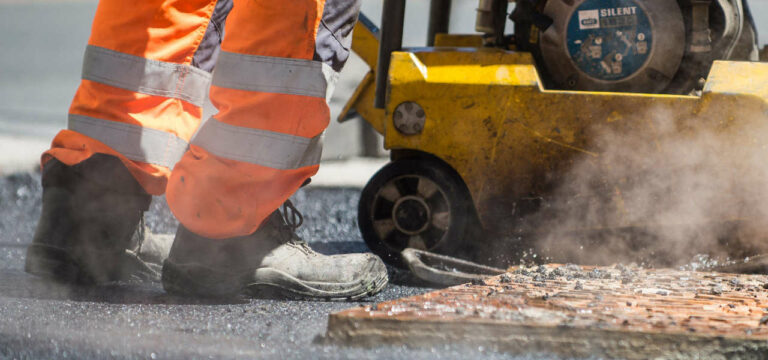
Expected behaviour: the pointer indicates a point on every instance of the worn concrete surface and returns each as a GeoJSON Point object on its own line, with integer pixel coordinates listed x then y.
{"type": "Point", "coordinates": [615, 312]}
{"type": "Point", "coordinates": [44, 320]}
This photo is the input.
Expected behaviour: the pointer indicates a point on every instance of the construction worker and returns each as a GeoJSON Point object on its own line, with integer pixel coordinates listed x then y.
{"type": "Point", "coordinates": [146, 71]}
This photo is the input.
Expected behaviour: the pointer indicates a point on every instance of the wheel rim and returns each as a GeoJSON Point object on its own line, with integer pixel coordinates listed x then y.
{"type": "Point", "coordinates": [411, 211]}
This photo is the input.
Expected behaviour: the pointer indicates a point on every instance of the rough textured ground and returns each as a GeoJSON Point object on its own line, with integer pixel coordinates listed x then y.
{"type": "Point", "coordinates": [44, 320]}
{"type": "Point", "coordinates": [617, 312]}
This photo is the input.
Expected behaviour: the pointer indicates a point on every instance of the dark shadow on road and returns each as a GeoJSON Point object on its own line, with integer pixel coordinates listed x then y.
{"type": "Point", "coordinates": [339, 247]}
{"type": "Point", "coordinates": [17, 284]}
{"type": "Point", "coordinates": [406, 278]}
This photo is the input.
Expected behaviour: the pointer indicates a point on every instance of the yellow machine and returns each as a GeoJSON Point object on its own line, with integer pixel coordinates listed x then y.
{"type": "Point", "coordinates": [482, 134]}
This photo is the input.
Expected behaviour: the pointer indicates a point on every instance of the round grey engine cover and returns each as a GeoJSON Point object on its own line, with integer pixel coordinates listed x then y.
{"type": "Point", "coordinates": [613, 45]}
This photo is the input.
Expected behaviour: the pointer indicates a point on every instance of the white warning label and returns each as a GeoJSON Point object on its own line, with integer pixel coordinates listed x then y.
{"type": "Point", "coordinates": [589, 19]}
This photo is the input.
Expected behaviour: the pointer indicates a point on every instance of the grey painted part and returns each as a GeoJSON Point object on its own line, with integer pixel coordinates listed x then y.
{"type": "Point", "coordinates": [657, 72]}
{"type": "Point", "coordinates": [409, 118]}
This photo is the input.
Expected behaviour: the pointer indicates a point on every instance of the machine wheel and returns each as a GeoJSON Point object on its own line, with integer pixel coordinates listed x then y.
{"type": "Point", "coordinates": [416, 203]}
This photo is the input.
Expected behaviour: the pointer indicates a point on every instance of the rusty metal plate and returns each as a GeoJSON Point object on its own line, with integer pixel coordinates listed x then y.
{"type": "Point", "coordinates": [617, 312]}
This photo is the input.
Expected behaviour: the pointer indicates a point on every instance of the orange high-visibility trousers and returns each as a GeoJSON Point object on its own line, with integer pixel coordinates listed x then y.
{"type": "Point", "coordinates": [143, 87]}
{"type": "Point", "coordinates": [265, 140]}
{"type": "Point", "coordinates": [139, 91]}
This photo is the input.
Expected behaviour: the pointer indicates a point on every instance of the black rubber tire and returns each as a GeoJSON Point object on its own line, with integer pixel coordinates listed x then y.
{"type": "Point", "coordinates": [402, 172]}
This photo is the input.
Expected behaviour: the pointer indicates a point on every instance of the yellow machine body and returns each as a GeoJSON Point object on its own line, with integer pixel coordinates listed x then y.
{"type": "Point", "coordinates": [489, 117]}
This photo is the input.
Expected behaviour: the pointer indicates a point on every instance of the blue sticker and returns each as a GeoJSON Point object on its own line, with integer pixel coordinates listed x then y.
{"type": "Point", "coordinates": [609, 39]}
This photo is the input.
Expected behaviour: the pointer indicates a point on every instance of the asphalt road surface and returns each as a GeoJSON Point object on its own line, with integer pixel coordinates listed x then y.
{"type": "Point", "coordinates": [42, 44]}
{"type": "Point", "coordinates": [39, 319]}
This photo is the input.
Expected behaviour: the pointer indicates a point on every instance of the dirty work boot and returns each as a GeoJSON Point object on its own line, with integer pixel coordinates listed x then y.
{"type": "Point", "coordinates": [91, 228]}
{"type": "Point", "coordinates": [271, 262]}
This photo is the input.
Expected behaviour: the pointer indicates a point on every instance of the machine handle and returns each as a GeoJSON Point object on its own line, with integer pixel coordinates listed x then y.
{"type": "Point", "coordinates": [445, 270]}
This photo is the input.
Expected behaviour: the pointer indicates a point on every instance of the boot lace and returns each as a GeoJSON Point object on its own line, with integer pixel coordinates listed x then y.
{"type": "Point", "coordinates": [139, 235]}
{"type": "Point", "coordinates": [292, 219]}
{"type": "Point", "coordinates": [291, 215]}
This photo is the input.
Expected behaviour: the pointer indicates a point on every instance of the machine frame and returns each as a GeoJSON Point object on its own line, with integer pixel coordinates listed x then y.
{"type": "Point", "coordinates": [477, 143]}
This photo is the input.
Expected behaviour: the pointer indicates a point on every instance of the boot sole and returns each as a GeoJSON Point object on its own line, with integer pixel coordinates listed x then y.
{"type": "Point", "coordinates": [197, 280]}
{"type": "Point", "coordinates": [275, 283]}
{"type": "Point", "coordinates": [55, 264]}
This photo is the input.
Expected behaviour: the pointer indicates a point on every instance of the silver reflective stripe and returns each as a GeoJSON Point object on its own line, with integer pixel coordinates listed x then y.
{"type": "Point", "coordinates": [151, 77]}
{"type": "Point", "coordinates": [261, 147]}
{"type": "Point", "coordinates": [132, 141]}
{"type": "Point", "coordinates": [270, 74]}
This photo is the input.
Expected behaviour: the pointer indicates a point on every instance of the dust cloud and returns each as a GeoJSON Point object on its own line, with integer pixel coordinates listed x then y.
{"type": "Point", "coordinates": [662, 190]}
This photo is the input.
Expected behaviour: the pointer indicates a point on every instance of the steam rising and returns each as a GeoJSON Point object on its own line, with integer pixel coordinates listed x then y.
{"type": "Point", "coordinates": [662, 191]}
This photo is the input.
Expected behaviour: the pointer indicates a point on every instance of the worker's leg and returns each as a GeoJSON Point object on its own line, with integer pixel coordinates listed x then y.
{"type": "Point", "coordinates": [145, 73]}
{"type": "Point", "coordinates": [266, 139]}
{"type": "Point", "coordinates": [140, 97]}
{"type": "Point", "coordinates": [270, 88]}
